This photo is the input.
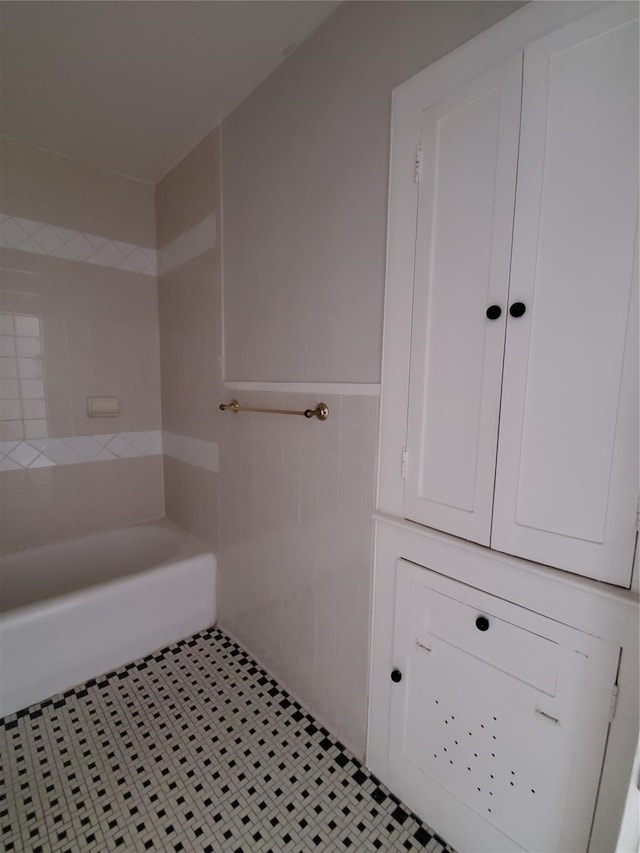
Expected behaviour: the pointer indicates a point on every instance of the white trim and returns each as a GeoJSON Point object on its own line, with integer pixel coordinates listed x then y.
{"type": "Point", "coordinates": [41, 238]}
{"type": "Point", "coordinates": [343, 389]}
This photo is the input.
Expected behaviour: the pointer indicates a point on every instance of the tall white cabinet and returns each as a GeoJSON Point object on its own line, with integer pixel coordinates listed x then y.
{"type": "Point", "coordinates": [522, 426]}
{"type": "Point", "coordinates": [505, 618]}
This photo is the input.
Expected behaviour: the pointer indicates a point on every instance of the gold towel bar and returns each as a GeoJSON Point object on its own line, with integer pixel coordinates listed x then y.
{"type": "Point", "coordinates": [321, 411]}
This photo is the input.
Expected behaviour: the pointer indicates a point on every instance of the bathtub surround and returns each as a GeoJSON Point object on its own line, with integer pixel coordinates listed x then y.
{"type": "Point", "coordinates": [46, 505]}
{"type": "Point", "coordinates": [193, 748]}
{"type": "Point", "coordinates": [79, 319]}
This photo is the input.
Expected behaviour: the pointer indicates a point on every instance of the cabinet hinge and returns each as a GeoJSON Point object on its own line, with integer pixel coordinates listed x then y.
{"type": "Point", "coordinates": [418, 164]}
{"type": "Point", "coordinates": [403, 463]}
{"type": "Point", "coordinates": [614, 702]}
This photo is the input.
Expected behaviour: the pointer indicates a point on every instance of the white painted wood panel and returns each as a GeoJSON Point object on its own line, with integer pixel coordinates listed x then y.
{"type": "Point", "coordinates": [566, 486]}
{"type": "Point", "coordinates": [469, 143]}
{"type": "Point", "coordinates": [499, 724]}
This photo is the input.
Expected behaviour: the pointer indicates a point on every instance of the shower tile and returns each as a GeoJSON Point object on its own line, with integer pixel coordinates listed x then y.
{"type": "Point", "coordinates": [193, 748]}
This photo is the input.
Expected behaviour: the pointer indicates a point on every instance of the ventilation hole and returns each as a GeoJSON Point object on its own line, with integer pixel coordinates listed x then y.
{"type": "Point", "coordinates": [456, 742]}
{"type": "Point", "coordinates": [532, 791]}
{"type": "Point", "coordinates": [434, 755]}
{"type": "Point", "coordinates": [513, 772]}
{"type": "Point", "coordinates": [493, 736]}
{"type": "Point", "coordinates": [491, 793]}
{"type": "Point", "coordinates": [446, 722]}
{"type": "Point", "coordinates": [445, 749]}
{"type": "Point", "coordinates": [468, 768]}
{"type": "Point", "coordinates": [491, 774]}
{"type": "Point", "coordinates": [489, 810]}
{"type": "Point", "coordinates": [493, 755]}
{"type": "Point", "coordinates": [495, 718]}
{"type": "Point", "coordinates": [511, 783]}
{"type": "Point", "coordinates": [475, 754]}
{"type": "Point", "coordinates": [437, 703]}
{"type": "Point", "coordinates": [452, 717]}
{"type": "Point", "coordinates": [450, 761]}
{"type": "Point", "coordinates": [481, 725]}
{"type": "Point", "coordinates": [479, 789]}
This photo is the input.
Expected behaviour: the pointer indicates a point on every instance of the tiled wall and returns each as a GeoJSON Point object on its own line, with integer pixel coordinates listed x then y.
{"type": "Point", "coordinates": [285, 502]}
{"type": "Point", "coordinates": [295, 540]}
{"type": "Point", "coordinates": [79, 318]}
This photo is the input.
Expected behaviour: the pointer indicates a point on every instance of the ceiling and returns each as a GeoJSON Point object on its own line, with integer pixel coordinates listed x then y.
{"type": "Point", "coordinates": [132, 85]}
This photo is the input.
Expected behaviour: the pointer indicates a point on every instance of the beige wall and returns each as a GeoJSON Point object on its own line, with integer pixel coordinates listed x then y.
{"type": "Point", "coordinates": [73, 329]}
{"type": "Point", "coordinates": [305, 163]}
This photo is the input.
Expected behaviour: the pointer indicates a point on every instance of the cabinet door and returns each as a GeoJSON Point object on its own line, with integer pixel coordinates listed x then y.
{"type": "Point", "coordinates": [463, 241]}
{"type": "Point", "coordinates": [567, 474]}
{"type": "Point", "coordinates": [509, 721]}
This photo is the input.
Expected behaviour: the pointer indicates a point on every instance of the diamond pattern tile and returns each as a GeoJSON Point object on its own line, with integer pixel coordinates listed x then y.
{"type": "Point", "coordinates": [193, 748]}
{"type": "Point", "coordinates": [40, 452]}
{"type": "Point", "coordinates": [41, 238]}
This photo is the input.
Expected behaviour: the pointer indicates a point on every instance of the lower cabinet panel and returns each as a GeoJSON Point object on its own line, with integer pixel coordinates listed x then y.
{"type": "Point", "coordinates": [501, 711]}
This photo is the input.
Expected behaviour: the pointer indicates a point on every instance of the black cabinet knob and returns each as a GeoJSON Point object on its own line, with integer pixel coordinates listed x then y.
{"type": "Point", "coordinates": [517, 309]}
{"type": "Point", "coordinates": [396, 676]}
{"type": "Point", "coordinates": [482, 623]}
{"type": "Point", "coordinates": [493, 312]}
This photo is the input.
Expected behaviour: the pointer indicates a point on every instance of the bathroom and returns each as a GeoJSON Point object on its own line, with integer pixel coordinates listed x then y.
{"type": "Point", "coordinates": [171, 243]}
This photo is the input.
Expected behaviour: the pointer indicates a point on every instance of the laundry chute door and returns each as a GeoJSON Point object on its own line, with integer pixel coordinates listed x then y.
{"type": "Point", "coordinates": [567, 475]}
{"type": "Point", "coordinates": [467, 178]}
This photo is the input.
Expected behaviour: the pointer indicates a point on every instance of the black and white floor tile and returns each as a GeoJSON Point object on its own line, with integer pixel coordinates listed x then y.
{"type": "Point", "coordinates": [193, 748]}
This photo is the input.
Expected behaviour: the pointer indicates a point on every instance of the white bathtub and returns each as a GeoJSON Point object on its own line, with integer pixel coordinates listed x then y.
{"type": "Point", "coordinates": [76, 609]}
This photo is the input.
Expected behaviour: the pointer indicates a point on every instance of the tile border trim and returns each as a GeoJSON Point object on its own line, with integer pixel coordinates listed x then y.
{"type": "Point", "coordinates": [41, 238]}
{"type": "Point", "coordinates": [195, 241]}
{"type": "Point", "coordinates": [193, 451]}
{"type": "Point", "coordinates": [71, 450]}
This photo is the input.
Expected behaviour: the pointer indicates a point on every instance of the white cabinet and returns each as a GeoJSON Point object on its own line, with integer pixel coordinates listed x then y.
{"type": "Point", "coordinates": [522, 430]}
{"type": "Point", "coordinates": [502, 711]}
{"type": "Point", "coordinates": [513, 185]}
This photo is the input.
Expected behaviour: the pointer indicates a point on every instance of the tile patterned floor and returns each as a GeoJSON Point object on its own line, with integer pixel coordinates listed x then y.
{"type": "Point", "coordinates": [193, 748]}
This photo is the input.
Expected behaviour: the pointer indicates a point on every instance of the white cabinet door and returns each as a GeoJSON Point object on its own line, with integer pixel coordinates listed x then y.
{"type": "Point", "coordinates": [509, 716]}
{"type": "Point", "coordinates": [567, 475]}
{"type": "Point", "coordinates": [469, 148]}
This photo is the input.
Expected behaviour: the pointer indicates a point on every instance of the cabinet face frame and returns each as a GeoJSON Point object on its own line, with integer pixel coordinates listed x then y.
{"type": "Point", "coordinates": [410, 100]}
